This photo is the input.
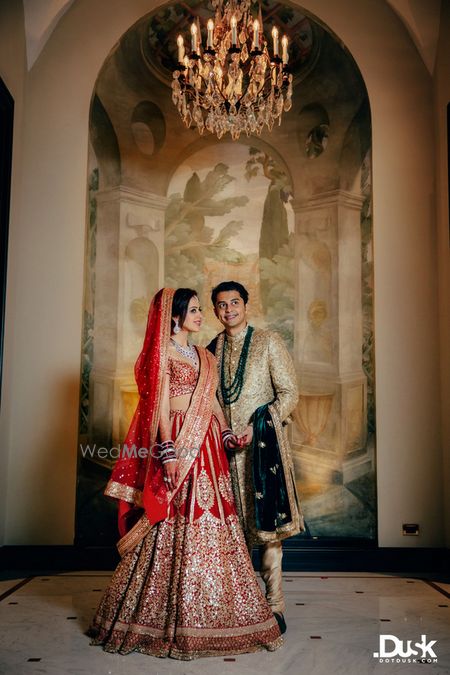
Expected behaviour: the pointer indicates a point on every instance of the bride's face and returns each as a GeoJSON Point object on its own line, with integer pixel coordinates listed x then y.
{"type": "Point", "coordinates": [194, 319]}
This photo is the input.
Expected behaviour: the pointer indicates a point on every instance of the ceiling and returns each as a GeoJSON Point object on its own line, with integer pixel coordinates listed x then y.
{"type": "Point", "coordinates": [420, 18]}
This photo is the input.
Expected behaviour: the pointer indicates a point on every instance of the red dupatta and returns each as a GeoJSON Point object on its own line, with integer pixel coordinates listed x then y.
{"type": "Point", "coordinates": [137, 478]}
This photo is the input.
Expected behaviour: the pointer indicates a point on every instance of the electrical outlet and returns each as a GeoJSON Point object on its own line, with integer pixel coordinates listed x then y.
{"type": "Point", "coordinates": [410, 529]}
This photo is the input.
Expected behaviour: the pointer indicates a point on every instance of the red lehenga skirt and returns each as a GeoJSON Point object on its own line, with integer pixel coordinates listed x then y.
{"type": "Point", "coordinates": [188, 589]}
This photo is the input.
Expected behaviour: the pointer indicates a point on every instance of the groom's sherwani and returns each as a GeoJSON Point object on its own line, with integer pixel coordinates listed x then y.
{"type": "Point", "coordinates": [269, 378]}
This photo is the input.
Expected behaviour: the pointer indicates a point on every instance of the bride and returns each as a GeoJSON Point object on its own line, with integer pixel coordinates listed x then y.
{"type": "Point", "coordinates": [185, 585]}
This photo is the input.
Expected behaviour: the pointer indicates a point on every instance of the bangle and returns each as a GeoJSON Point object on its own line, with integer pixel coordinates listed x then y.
{"type": "Point", "coordinates": [168, 457]}
{"type": "Point", "coordinates": [168, 453]}
{"type": "Point", "coordinates": [226, 435]}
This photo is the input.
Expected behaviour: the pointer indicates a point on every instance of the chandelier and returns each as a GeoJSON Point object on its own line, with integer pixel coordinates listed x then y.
{"type": "Point", "coordinates": [233, 84]}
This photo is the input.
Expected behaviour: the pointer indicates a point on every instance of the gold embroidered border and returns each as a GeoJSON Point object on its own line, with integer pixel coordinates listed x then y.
{"type": "Point", "coordinates": [214, 478]}
{"type": "Point", "coordinates": [227, 632]}
{"type": "Point", "coordinates": [166, 316]}
{"type": "Point", "coordinates": [124, 492]}
{"type": "Point", "coordinates": [198, 416]}
{"type": "Point", "coordinates": [191, 632]}
{"type": "Point", "coordinates": [188, 656]}
{"type": "Point", "coordinates": [132, 538]}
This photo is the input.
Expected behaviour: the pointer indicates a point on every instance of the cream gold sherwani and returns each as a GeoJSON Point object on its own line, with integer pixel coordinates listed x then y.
{"type": "Point", "coordinates": [269, 378]}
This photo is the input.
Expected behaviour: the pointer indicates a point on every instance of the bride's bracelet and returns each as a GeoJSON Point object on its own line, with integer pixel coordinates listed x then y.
{"type": "Point", "coordinates": [168, 453]}
{"type": "Point", "coordinates": [227, 434]}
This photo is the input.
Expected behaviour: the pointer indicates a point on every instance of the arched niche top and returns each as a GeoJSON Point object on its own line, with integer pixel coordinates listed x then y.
{"type": "Point", "coordinates": [148, 127]}
{"type": "Point", "coordinates": [206, 141]}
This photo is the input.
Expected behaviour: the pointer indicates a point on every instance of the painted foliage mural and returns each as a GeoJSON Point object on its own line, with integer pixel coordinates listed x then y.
{"type": "Point", "coordinates": [229, 217]}
{"type": "Point", "coordinates": [288, 214]}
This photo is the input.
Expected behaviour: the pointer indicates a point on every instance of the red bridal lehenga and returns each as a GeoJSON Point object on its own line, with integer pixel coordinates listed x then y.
{"type": "Point", "coordinates": [185, 586]}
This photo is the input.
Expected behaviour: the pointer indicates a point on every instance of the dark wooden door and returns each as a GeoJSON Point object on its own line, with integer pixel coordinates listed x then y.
{"type": "Point", "coordinates": [6, 139]}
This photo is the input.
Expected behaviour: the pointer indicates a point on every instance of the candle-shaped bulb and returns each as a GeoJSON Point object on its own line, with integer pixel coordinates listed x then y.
{"type": "Point", "coordinates": [275, 40]}
{"type": "Point", "coordinates": [256, 34]}
{"type": "Point", "coordinates": [210, 26]}
{"type": "Point", "coordinates": [194, 37]}
{"type": "Point", "coordinates": [233, 31]}
{"type": "Point", "coordinates": [180, 43]}
{"type": "Point", "coordinates": [284, 44]}
{"type": "Point", "coordinates": [186, 65]}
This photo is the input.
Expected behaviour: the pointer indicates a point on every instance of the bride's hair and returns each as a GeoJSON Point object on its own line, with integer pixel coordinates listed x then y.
{"type": "Point", "coordinates": [180, 304]}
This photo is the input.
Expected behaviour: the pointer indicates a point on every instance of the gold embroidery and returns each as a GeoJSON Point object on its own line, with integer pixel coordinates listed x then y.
{"type": "Point", "coordinates": [204, 491]}
{"type": "Point", "coordinates": [183, 377]}
{"type": "Point", "coordinates": [225, 488]}
{"type": "Point", "coordinates": [214, 479]}
{"type": "Point", "coordinates": [186, 590]}
{"type": "Point", "coordinates": [181, 496]}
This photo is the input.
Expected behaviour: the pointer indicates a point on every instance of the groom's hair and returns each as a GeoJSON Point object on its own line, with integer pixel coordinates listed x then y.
{"type": "Point", "coordinates": [229, 286]}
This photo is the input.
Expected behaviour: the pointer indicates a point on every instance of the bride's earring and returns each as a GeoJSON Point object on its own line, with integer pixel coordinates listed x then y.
{"type": "Point", "coordinates": [176, 328]}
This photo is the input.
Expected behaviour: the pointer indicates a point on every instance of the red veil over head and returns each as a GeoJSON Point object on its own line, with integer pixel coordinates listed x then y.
{"type": "Point", "coordinates": [136, 479]}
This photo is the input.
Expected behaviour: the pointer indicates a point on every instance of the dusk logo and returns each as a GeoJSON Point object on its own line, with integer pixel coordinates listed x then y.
{"type": "Point", "coordinates": [393, 650]}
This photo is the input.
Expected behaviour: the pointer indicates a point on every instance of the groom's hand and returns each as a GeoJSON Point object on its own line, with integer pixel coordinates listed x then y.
{"type": "Point", "coordinates": [246, 437]}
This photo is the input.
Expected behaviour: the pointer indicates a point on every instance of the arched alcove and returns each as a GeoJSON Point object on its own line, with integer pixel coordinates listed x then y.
{"type": "Point", "coordinates": [284, 216]}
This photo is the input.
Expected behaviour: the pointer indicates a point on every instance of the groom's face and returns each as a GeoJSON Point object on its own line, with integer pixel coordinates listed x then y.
{"type": "Point", "coordinates": [230, 309]}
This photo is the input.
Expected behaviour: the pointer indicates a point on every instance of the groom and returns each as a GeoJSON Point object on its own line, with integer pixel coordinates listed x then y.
{"type": "Point", "coordinates": [257, 392]}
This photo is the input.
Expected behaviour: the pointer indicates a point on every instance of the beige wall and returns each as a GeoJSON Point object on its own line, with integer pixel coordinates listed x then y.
{"type": "Point", "coordinates": [40, 411]}
{"type": "Point", "coordinates": [442, 99]}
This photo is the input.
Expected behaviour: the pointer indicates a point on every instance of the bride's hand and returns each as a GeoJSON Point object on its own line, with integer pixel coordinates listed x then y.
{"type": "Point", "coordinates": [171, 474]}
{"type": "Point", "coordinates": [232, 443]}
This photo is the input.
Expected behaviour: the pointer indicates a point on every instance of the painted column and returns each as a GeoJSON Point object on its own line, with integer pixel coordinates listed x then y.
{"type": "Point", "coordinates": [330, 430]}
{"type": "Point", "coordinates": [129, 269]}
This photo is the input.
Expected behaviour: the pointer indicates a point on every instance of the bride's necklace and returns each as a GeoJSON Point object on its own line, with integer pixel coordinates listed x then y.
{"type": "Point", "coordinates": [188, 352]}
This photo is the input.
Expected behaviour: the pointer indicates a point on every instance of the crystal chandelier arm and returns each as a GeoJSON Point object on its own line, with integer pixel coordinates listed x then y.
{"type": "Point", "coordinates": [233, 85]}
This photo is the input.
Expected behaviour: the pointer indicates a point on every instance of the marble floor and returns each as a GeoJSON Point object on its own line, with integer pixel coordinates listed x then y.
{"type": "Point", "coordinates": [334, 623]}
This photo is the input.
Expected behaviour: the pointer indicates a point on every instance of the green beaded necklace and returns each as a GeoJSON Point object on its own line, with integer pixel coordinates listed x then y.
{"type": "Point", "coordinates": [231, 394]}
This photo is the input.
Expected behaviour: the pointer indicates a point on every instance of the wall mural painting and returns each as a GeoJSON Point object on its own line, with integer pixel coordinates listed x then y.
{"type": "Point", "coordinates": [229, 217]}
{"type": "Point", "coordinates": [288, 215]}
